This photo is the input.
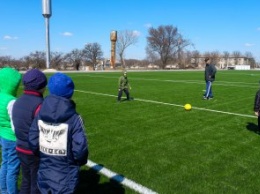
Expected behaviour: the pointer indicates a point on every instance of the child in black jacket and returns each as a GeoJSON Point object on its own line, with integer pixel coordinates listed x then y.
{"type": "Point", "coordinates": [24, 110]}
{"type": "Point", "coordinates": [257, 107]}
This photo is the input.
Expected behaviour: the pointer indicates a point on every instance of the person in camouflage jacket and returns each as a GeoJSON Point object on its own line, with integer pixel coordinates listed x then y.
{"type": "Point", "coordinates": [123, 86]}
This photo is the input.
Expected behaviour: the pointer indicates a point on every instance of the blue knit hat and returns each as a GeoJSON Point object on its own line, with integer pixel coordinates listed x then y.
{"type": "Point", "coordinates": [34, 79]}
{"type": "Point", "coordinates": [61, 85]}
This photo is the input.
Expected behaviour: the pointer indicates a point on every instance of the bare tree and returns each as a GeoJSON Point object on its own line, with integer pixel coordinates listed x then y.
{"type": "Point", "coordinates": [74, 58]}
{"type": "Point", "coordinates": [181, 44]}
{"type": "Point", "coordinates": [92, 52]}
{"type": "Point", "coordinates": [236, 55]}
{"type": "Point", "coordinates": [248, 54]}
{"type": "Point", "coordinates": [250, 59]}
{"type": "Point", "coordinates": [6, 61]}
{"type": "Point", "coordinates": [215, 57]}
{"type": "Point", "coordinates": [226, 56]}
{"type": "Point", "coordinates": [35, 60]}
{"type": "Point", "coordinates": [124, 40]}
{"type": "Point", "coordinates": [166, 41]}
{"type": "Point", "coordinates": [196, 57]}
{"type": "Point", "coordinates": [151, 56]}
{"type": "Point", "coordinates": [132, 62]}
{"type": "Point", "coordinates": [187, 58]}
{"type": "Point", "coordinates": [56, 60]}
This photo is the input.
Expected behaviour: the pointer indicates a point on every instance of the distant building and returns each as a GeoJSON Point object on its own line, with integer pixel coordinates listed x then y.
{"type": "Point", "coordinates": [222, 62]}
{"type": "Point", "coordinates": [152, 66]}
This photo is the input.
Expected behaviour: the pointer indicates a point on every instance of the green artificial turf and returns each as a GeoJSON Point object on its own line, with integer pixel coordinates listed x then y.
{"type": "Point", "coordinates": [214, 148]}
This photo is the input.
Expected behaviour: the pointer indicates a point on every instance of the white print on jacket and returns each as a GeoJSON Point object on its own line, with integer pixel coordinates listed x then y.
{"type": "Point", "coordinates": [53, 138]}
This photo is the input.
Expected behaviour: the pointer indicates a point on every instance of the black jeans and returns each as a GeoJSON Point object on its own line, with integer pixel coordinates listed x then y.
{"type": "Point", "coordinates": [120, 93]}
{"type": "Point", "coordinates": [30, 166]}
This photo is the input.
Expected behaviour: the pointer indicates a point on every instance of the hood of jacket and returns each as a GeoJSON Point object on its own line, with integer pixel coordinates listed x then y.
{"type": "Point", "coordinates": [56, 109]}
{"type": "Point", "coordinates": [10, 80]}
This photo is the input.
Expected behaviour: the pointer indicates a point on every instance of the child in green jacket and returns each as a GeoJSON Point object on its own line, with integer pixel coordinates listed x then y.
{"type": "Point", "coordinates": [9, 82]}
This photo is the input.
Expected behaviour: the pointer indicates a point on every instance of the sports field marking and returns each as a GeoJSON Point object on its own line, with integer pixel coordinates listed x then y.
{"type": "Point", "coordinates": [196, 108]}
{"type": "Point", "coordinates": [170, 104]}
{"type": "Point", "coordinates": [219, 83]}
{"type": "Point", "coordinates": [119, 178]}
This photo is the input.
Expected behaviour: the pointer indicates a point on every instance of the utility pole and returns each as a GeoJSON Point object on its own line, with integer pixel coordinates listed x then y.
{"type": "Point", "coordinates": [46, 12]}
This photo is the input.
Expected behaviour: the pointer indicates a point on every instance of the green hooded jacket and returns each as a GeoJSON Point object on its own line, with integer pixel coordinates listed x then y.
{"type": "Point", "coordinates": [9, 83]}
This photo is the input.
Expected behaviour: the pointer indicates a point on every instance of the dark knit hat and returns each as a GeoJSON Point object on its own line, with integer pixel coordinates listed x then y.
{"type": "Point", "coordinates": [34, 79]}
{"type": "Point", "coordinates": [61, 85]}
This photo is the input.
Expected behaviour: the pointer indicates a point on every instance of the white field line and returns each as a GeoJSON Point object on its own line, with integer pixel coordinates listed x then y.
{"type": "Point", "coordinates": [123, 180]}
{"type": "Point", "coordinates": [218, 83]}
{"type": "Point", "coordinates": [112, 175]}
{"type": "Point", "coordinates": [170, 104]}
{"type": "Point", "coordinates": [119, 178]}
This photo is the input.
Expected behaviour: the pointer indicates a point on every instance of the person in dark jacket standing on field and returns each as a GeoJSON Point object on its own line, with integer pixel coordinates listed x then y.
{"type": "Point", "coordinates": [123, 86]}
{"type": "Point", "coordinates": [257, 107]}
{"type": "Point", "coordinates": [210, 73]}
{"type": "Point", "coordinates": [23, 112]}
{"type": "Point", "coordinates": [59, 135]}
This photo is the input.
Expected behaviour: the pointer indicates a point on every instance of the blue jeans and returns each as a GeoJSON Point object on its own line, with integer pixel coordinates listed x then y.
{"type": "Point", "coordinates": [9, 168]}
{"type": "Point", "coordinates": [208, 93]}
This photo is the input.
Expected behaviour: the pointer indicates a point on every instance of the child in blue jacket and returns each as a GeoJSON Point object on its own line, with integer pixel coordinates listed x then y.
{"type": "Point", "coordinates": [58, 134]}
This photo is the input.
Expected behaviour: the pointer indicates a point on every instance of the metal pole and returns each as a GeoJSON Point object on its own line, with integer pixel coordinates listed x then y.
{"type": "Point", "coordinates": [46, 12]}
{"type": "Point", "coordinates": [47, 43]}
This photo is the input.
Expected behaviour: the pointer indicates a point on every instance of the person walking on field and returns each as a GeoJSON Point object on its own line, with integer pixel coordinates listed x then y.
{"type": "Point", "coordinates": [58, 134]}
{"type": "Point", "coordinates": [257, 107]}
{"type": "Point", "coordinates": [210, 73]}
{"type": "Point", "coordinates": [123, 86]}
{"type": "Point", "coordinates": [10, 166]}
{"type": "Point", "coordinates": [24, 110]}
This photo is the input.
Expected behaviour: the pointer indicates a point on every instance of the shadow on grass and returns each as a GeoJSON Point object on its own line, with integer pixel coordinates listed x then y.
{"type": "Point", "coordinates": [253, 127]}
{"type": "Point", "coordinates": [125, 100]}
{"type": "Point", "coordinates": [89, 183]}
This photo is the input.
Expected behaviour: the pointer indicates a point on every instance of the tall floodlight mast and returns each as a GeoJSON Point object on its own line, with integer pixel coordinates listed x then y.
{"type": "Point", "coordinates": [113, 38]}
{"type": "Point", "coordinates": [46, 12]}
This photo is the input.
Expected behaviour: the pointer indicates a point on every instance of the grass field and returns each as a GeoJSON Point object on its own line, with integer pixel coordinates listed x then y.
{"type": "Point", "coordinates": [214, 148]}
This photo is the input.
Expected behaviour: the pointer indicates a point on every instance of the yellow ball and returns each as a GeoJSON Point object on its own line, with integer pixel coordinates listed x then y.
{"type": "Point", "coordinates": [187, 107]}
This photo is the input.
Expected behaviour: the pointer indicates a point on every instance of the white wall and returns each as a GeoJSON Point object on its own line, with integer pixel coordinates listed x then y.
{"type": "Point", "coordinates": [242, 67]}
